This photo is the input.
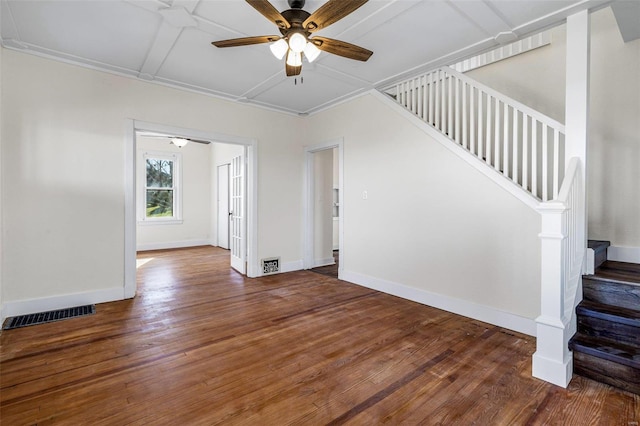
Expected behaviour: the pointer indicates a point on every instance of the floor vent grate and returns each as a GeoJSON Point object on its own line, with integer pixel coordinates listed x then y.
{"type": "Point", "coordinates": [50, 316]}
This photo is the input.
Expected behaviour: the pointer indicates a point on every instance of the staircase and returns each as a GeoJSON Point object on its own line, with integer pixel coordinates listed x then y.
{"type": "Point", "coordinates": [526, 153]}
{"type": "Point", "coordinates": [606, 346]}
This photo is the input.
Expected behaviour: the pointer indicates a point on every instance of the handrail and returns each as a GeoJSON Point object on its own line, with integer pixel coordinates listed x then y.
{"type": "Point", "coordinates": [512, 102]}
{"type": "Point", "coordinates": [567, 184]}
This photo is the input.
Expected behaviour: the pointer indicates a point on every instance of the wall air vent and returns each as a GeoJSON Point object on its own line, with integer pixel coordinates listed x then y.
{"type": "Point", "coordinates": [270, 266]}
{"type": "Point", "coordinates": [50, 316]}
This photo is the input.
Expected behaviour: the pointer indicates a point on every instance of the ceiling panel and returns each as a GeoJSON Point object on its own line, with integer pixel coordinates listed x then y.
{"type": "Point", "coordinates": [230, 70]}
{"type": "Point", "coordinates": [110, 32]}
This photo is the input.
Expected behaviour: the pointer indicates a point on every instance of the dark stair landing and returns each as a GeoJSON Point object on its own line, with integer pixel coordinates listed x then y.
{"type": "Point", "coordinates": [606, 347]}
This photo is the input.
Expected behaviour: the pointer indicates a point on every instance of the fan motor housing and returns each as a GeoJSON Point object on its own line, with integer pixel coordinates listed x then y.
{"type": "Point", "coordinates": [295, 17]}
{"type": "Point", "coordinates": [296, 4]}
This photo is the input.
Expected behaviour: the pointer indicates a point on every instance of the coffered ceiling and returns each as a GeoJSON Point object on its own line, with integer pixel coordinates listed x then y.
{"type": "Point", "coordinates": [169, 42]}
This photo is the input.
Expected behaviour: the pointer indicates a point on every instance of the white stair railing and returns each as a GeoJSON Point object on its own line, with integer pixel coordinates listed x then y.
{"type": "Point", "coordinates": [562, 257]}
{"type": "Point", "coordinates": [517, 141]}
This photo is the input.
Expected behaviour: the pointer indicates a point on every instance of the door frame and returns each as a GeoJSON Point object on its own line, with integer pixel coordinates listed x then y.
{"type": "Point", "coordinates": [308, 209]}
{"type": "Point", "coordinates": [251, 199]}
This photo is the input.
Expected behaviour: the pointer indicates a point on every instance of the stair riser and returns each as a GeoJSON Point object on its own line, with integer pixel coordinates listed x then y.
{"type": "Point", "coordinates": [610, 330]}
{"type": "Point", "coordinates": [616, 294]}
{"type": "Point", "coordinates": [614, 374]}
{"type": "Point", "coordinates": [600, 258]}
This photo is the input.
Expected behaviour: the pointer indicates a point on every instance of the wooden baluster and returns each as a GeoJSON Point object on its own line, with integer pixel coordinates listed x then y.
{"type": "Point", "coordinates": [525, 151]}
{"type": "Point", "coordinates": [414, 97]}
{"type": "Point", "coordinates": [516, 143]}
{"type": "Point", "coordinates": [556, 163]}
{"type": "Point", "coordinates": [425, 95]}
{"type": "Point", "coordinates": [488, 141]}
{"type": "Point", "coordinates": [497, 160]}
{"type": "Point", "coordinates": [450, 107]}
{"type": "Point", "coordinates": [437, 111]}
{"type": "Point", "coordinates": [457, 109]}
{"type": "Point", "coordinates": [480, 152]}
{"type": "Point", "coordinates": [506, 162]}
{"type": "Point", "coordinates": [431, 94]}
{"type": "Point", "coordinates": [472, 120]}
{"type": "Point", "coordinates": [534, 156]}
{"type": "Point", "coordinates": [545, 162]}
{"type": "Point", "coordinates": [465, 140]}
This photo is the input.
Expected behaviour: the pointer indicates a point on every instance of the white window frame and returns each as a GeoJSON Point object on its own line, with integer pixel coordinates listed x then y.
{"type": "Point", "coordinates": [177, 189]}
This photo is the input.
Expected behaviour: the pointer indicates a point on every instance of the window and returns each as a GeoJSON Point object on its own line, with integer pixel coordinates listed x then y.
{"type": "Point", "coordinates": [161, 192]}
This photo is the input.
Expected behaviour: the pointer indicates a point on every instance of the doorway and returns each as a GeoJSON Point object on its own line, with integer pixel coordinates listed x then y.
{"type": "Point", "coordinates": [247, 225]}
{"type": "Point", "coordinates": [223, 206]}
{"type": "Point", "coordinates": [323, 247]}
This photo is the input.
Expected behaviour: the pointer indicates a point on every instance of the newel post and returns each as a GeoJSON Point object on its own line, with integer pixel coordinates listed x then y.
{"type": "Point", "coordinates": [552, 361]}
{"type": "Point", "coordinates": [577, 103]}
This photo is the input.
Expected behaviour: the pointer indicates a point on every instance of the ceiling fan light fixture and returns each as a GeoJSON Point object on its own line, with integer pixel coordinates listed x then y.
{"type": "Point", "coordinates": [179, 142]}
{"type": "Point", "coordinates": [311, 52]}
{"type": "Point", "coordinates": [297, 42]}
{"type": "Point", "coordinates": [279, 48]}
{"type": "Point", "coordinates": [294, 59]}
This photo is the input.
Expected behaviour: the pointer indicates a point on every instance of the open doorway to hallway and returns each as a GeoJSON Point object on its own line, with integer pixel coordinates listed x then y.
{"type": "Point", "coordinates": [172, 194]}
{"type": "Point", "coordinates": [323, 229]}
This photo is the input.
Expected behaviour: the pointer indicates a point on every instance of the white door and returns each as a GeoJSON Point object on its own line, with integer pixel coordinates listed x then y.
{"type": "Point", "coordinates": [237, 214]}
{"type": "Point", "coordinates": [223, 206]}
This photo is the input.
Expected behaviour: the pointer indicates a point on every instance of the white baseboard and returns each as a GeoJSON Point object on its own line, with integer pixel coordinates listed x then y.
{"type": "Point", "coordinates": [291, 266]}
{"type": "Point", "coordinates": [30, 306]}
{"type": "Point", "coordinates": [324, 262]}
{"type": "Point", "coordinates": [624, 254]}
{"type": "Point", "coordinates": [457, 306]}
{"type": "Point", "coordinates": [173, 244]}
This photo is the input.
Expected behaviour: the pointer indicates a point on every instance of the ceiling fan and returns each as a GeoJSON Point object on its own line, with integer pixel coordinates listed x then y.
{"type": "Point", "coordinates": [296, 26]}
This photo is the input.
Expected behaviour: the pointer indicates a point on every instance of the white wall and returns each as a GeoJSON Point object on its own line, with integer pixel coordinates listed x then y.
{"type": "Point", "coordinates": [2, 226]}
{"type": "Point", "coordinates": [196, 172]}
{"type": "Point", "coordinates": [537, 80]}
{"type": "Point", "coordinates": [432, 228]}
{"type": "Point", "coordinates": [63, 175]}
{"type": "Point", "coordinates": [323, 203]}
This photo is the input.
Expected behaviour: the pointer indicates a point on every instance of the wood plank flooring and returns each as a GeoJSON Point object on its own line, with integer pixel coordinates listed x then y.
{"type": "Point", "coordinates": [202, 345]}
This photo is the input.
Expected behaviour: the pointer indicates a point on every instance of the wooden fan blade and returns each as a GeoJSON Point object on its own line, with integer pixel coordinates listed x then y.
{"type": "Point", "coordinates": [198, 141]}
{"type": "Point", "coordinates": [291, 71]}
{"type": "Point", "coordinates": [270, 12]}
{"type": "Point", "coordinates": [341, 48]}
{"type": "Point", "coordinates": [246, 41]}
{"type": "Point", "coordinates": [330, 12]}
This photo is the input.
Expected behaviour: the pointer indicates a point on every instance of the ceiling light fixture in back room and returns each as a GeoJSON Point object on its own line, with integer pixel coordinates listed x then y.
{"type": "Point", "coordinates": [297, 26]}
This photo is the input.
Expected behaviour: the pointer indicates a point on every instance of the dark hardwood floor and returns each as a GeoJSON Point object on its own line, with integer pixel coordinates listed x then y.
{"type": "Point", "coordinates": [202, 345]}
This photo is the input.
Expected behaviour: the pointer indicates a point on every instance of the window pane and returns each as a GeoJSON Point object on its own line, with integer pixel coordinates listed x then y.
{"type": "Point", "coordinates": [159, 202]}
{"type": "Point", "coordinates": [159, 173]}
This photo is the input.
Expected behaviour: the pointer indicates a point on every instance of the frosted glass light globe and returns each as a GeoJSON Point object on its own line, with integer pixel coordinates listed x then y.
{"type": "Point", "coordinates": [297, 42]}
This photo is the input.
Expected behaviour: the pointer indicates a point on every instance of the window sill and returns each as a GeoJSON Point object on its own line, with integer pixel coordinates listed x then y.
{"type": "Point", "coordinates": [154, 222]}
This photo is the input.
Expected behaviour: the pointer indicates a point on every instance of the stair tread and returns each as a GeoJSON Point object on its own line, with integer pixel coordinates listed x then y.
{"type": "Point", "coordinates": [612, 351]}
{"type": "Point", "coordinates": [609, 312]}
{"type": "Point", "coordinates": [624, 272]}
{"type": "Point", "coordinates": [598, 245]}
